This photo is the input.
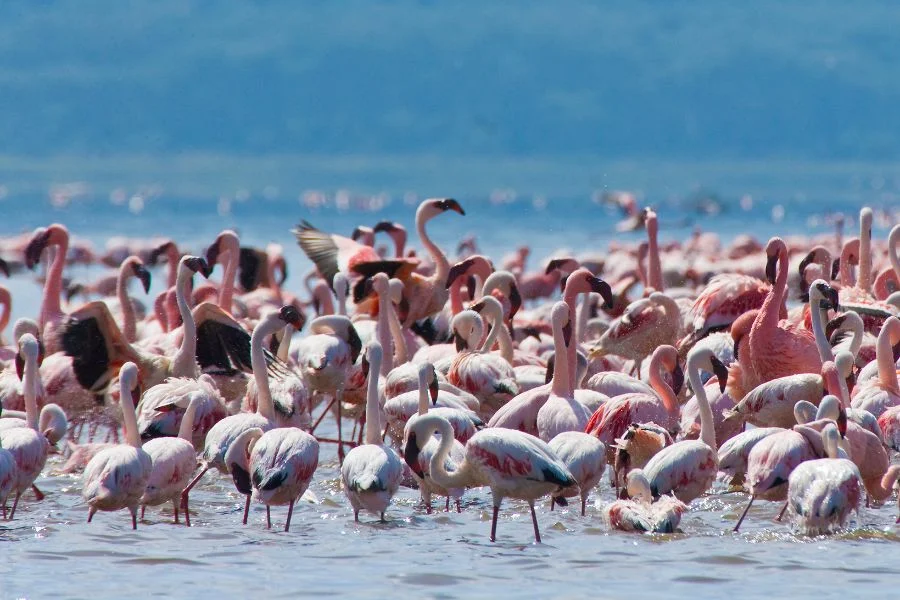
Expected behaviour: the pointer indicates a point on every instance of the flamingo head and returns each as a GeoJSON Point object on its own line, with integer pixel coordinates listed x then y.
{"type": "Point", "coordinates": [473, 265]}
{"type": "Point", "coordinates": [161, 250]}
{"type": "Point", "coordinates": [198, 265]}
{"type": "Point", "coordinates": [292, 316]}
{"type": "Point", "coordinates": [143, 275]}
{"type": "Point", "coordinates": [227, 241]}
{"type": "Point", "coordinates": [446, 204]}
{"type": "Point", "coordinates": [4, 267]}
{"type": "Point", "coordinates": [433, 388]}
{"type": "Point", "coordinates": [582, 281]}
{"type": "Point", "coordinates": [39, 241]}
{"type": "Point", "coordinates": [830, 299]}
{"type": "Point", "coordinates": [677, 377]}
{"type": "Point", "coordinates": [720, 371]}
{"type": "Point", "coordinates": [515, 302]}
{"type": "Point", "coordinates": [411, 454]}
{"type": "Point", "coordinates": [363, 235]}
{"type": "Point", "coordinates": [775, 250]}
{"type": "Point", "coordinates": [565, 265]}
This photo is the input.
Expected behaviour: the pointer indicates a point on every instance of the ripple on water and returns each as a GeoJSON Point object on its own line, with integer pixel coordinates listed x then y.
{"type": "Point", "coordinates": [161, 560]}
{"type": "Point", "coordinates": [432, 579]}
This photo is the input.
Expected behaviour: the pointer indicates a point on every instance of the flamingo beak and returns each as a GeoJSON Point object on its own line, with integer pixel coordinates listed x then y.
{"type": "Point", "coordinates": [720, 371]}
{"type": "Point", "coordinates": [35, 247]}
{"type": "Point", "coordinates": [771, 264]}
{"type": "Point", "coordinates": [835, 267]}
{"type": "Point", "coordinates": [157, 252]}
{"type": "Point", "coordinates": [460, 342]}
{"type": "Point", "coordinates": [451, 204]}
{"type": "Point", "coordinates": [603, 288]}
{"type": "Point", "coordinates": [515, 301]}
{"type": "Point", "coordinates": [567, 333]}
{"type": "Point", "coordinates": [365, 367]}
{"type": "Point", "coordinates": [551, 367]}
{"type": "Point", "coordinates": [470, 287]}
{"type": "Point", "coordinates": [457, 271]}
{"type": "Point", "coordinates": [384, 226]}
{"type": "Point", "coordinates": [20, 366]}
{"type": "Point", "coordinates": [4, 267]}
{"type": "Point", "coordinates": [411, 454]}
{"type": "Point", "coordinates": [212, 255]}
{"type": "Point", "coordinates": [433, 391]}
{"type": "Point", "coordinates": [677, 378]}
{"type": "Point", "coordinates": [143, 275]}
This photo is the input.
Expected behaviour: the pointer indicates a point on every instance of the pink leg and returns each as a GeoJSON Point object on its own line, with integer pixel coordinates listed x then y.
{"type": "Point", "coordinates": [494, 523]}
{"type": "Point", "coordinates": [91, 512]}
{"type": "Point", "coordinates": [175, 508]}
{"type": "Point", "coordinates": [537, 533]}
{"type": "Point", "coordinates": [781, 514]}
{"type": "Point", "coordinates": [268, 517]}
{"type": "Point", "coordinates": [12, 513]}
{"type": "Point", "coordinates": [246, 509]}
{"type": "Point", "coordinates": [744, 514]}
{"type": "Point", "coordinates": [583, 505]}
{"type": "Point", "coordinates": [287, 525]}
{"type": "Point", "coordinates": [143, 508]}
{"type": "Point", "coordinates": [38, 494]}
{"type": "Point", "coordinates": [134, 517]}
{"type": "Point", "coordinates": [187, 490]}
{"type": "Point", "coordinates": [340, 436]}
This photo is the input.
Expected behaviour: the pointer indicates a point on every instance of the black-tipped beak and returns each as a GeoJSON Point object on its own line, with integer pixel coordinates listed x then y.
{"type": "Point", "coordinates": [457, 271]}
{"type": "Point", "coordinates": [515, 301]}
{"type": "Point", "coordinates": [771, 264]}
{"type": "Point", "coordinates": [384, 226]}
{"type": "Point", "coordinates": [809, 258]}
{"type": "Point", "coordinates": [470, 287]}
{"type": "Point", "coordinates": [460, 342]}
{"type": "Point", "coordinates": [835, 268]}
{"type": "Point", "coordinates": [143, 275]}
{"type": "Point", "coordinates": [554, 264]}
{"type": "Point", "coordinates": [354, 342]}
{"type": "Point", "coordinates": [832, 297]}
{"type": "Point", "coordinates": [734, 350]}
{"type": "Point", "coordinates": [4, 267]}
{"type": "Point", "coordinates": [451, 204]}
{"type": "Point", "coordinates": [478, 306]}
{"type": "Point", "coordinates": [411, 454]}
{"type": "Point", "coordinates": [365, 366]}
{"type": "Point", "coordinates": [357, 233]}
{"type": "Point", "coordinates": [20, 366]}
{"type": "Point", "coordinates": [35, 247]}
{"type": "Point", "coordinates": [198, 265]}
{"type": "Point", "coordinates": [157, 252]}
{"type": "Point", "coordinates": [433, 390]}
{"type": "Point", "coordinates": [212, 255]}
{"type": "Point", "coordinates": [720, 371]}
{"type": "Point", "coordinates": [602, 288]}
{"type": "Point", "coordinates": [562, 284]}
{"type": "Point", "coordinates": [551, 367]}
{"type": "Point", "coordinates": [42, 352]}
{"type": "Point", "coordinates": [293, 317]}
{"type": "Point", "coordinates": [842, 422]}
{"type": "Point", "coordinates": [567, 332]}
{"type": "Point", "coordinates": [677, 378]}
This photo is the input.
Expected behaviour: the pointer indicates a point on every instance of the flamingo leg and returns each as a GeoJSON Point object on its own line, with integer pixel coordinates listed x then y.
{"type": "Point", "coordinates": [744, 514]}
{"type": "Point", "coordinates": [583, 505]}
{"type": "Point", "coordinates": [322, 416]}
{"type": "Point", "coordinates": [12, 513]}
{"type": "Point", "coordinates": [287, 524]}
{"type": "Point", "coordinates": [356, 515]}
{"type": "Point", "coordinates": [551, 503]}
{"type": "Point", "coordinates": [340, 436]}
{"type": "Point", "coordinates": [494, 523]}
{"type": "Point", "coordinates": [781, 514]}
{"type": "Point", "coordinates": [268, 517]}
{"type": "Point", "coordinates": [246, 509]}
{"type": "Point", "coordinates": [143, 508]}
{"type": "Point", "coordinates": [459, 506]}
{"type": "Point", "coordinates": [175, 507]}
{"type": "Point", "coordinates": [187, 490]}
{"type": "Point", "coordinates": [133, 511]}
{"type": "Point", "coordinates": [91, 512]}
{"type": "Point", "coordinates": [38, 494]}
{"type": "Point", "coordinates": [537, 532]}
{"type": "Point", "coordinates": [447, 507]}
{"type": "Point", "coordinates": [4, 509]}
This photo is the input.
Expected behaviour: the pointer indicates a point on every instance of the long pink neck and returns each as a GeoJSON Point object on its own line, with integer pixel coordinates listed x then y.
{"type": "Point", "coordinates": [6, 302]}
{"type": "Point", "coordinates": [129, 328]}
{"type": "Point", "coordinates": [887, 337]}
{"type": "Point", "coordinates": [456, 304]}
{"type": "Point", "coordinates": [172, 258]}
{"type": "Point", "coordinates": [770, 311]}
{"type": "Point", "coordinates": [653, 264]}
{"type": "Point", "coordinates": [662, 388]}
{"type": "Point", "coordinates": [226, 290]}
{"type": "Point", "coordinates": [570, 297]}
{"type": "Point", "coordinates": [559, 385]}
{"type": "Point", "coordinates": [50, 303]}
{"type": "Point", "coordinates": [383, 332]}
{"type": "Point", "coordinates": [834, 383]}
{"type": "Point", "coordinates": [441, 266]}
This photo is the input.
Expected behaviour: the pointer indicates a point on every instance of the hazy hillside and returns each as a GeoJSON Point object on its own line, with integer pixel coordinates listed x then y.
{"type": "Point", "coordinates": [619, 79]}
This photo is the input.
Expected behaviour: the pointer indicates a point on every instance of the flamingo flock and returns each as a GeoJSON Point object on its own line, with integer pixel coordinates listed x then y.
{"type": "Point", "coordinates": [446, 373]}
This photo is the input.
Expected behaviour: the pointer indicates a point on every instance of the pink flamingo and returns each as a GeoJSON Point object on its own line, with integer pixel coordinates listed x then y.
{"type": "Point", "coordinates": [561, 412]}
{"type": "Point", "coordinates": [169, 249]}
{"type": "Point", "coordinates": [52, 314]}
{"type": "Point", "coordinates": [117, 476]}
{"type": "Point", "coordinates": [888, 281]}
{"type": "Point", "coordinates": [879, 394]}
{"type": "Point", "coordinates": [371, 472]}
{"type": "Point", "coordinates": [641, 513]}
{"type": "Point", "coordinates": [734, 453]}
{"type": "Point", "coordinates": [173, 460]}
{"type": "Point", "coordinates": [688, 468]}
{"type": "Point", "coordinates": [9, 473]}
{"type": "Point", "coordinates": [775, 348]}
{"type": "Point", "coordinates": [28, 446]}
{"type": "Point", "coordinates": [585, 458]}
{"type": "Point", "coordinates": [646, 324]}
{"type": "Point", "coordinates": [226, 243]}
{"type": "Point", "coordinates": [223, 433]}
{"type": "Point", "coordinates": [398, 235]}
{"type": "Point", "coordinates": [823, 492]}
{"type": "Point", "coordinates": [161, 409]}
{"type": "Point", "coordinates": [513, 464]}
{"type": "Point", "coordinates": [278, 464]}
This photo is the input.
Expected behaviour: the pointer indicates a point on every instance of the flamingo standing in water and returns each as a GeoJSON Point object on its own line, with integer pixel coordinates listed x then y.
{"type": "Point", "coordinates": [775, 348]}
{"type": "Point", "coordinates": [278, 464]}
{"type": "Point", "coordinates": [371, 473]}
{"type": "Point", "coordinates": [513, 464]}
{"type": "Point", "coordinates": [641, 513]}
{"type": "Point", "coordinates": [174, 460]}
{"type": "Point", "coordinates": [28, 446]}
{"type": "Point", "coordinates": [880, 393]}
{"type": "Point", "coordinates": [585, 457]}
{"type": "Point", "coordinates": [116, 477]}
{"type": "Point", "coordinates": [9, 472]}
{"type": "Point", "coordinates": [646, 324]}
{"type": "Point", "coordinates": [223, 433]}
{"type": "Point", "coordinates": [823, 492]}
{"type": "Point", "coordinates": [688, 468]}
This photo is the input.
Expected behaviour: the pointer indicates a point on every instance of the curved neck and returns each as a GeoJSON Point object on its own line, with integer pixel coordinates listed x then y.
{"type": "Point", "coordinates": [401, 350]}
{"type": "Point", "coordinates": [441, 266]}
{"type": "Point", "coordinates": [267, 327]}
{"type": "Point", "coordinates": [864, 278]}
{"type": "Point", "coordinates": [662, 388]}
{"type": "Point", "coordinates": [128, 418]}
{"type": "Point", "coordinates": [570, 297]}
{"type": "Point", "coordinates": [129, 328]}
{"type": "Point", "coordinates": [884, 353]}
{"type": "Point", "coordinates": [184, 362]}
{"type": "Point", "coordinates": [584, 315]}
{"type": "Point", "coordinates": [284, 346]}
{"type": "Point", "coordinates": [707, 423]}
{"type": "Point", "coordinates": [770, 311]}
{"type": "Point", "coordinates": [50, 303]}
{"type": "Point", "coordinates": [186, 429]}
{"type": "Point", "coordinates": [491, 338]}
{"type": "Point", "coordinates": [456, 303]}
{"type": "Point", "coordinates": [504, 340]}
{"type": "Point", "coordinates": [373, 410]}
{"type": "Point", "coordinates": [226, 289]}
{"type": "Point", "coordinates": [383, 332]}
{"type": "Point", "coordinates": [29, 390]}
{"type": "Point", "coordinates": [815, 312]}
{"type": "Point", "coordinates": [559, 385]}
{"type": "Point", "coordinates": [172, 260]}
{"type": "Point", "coordinates": [423, 392]}
{"type": "Point", "coordinates": [437, 469]}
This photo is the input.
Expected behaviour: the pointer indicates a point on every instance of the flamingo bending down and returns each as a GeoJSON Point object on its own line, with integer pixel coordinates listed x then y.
{"type": "Point", "coordinates": [116, 477]}
{"type": "Point", "coordinates": [688, 468]}
{"type": "Point", "coordinates": [513, 464]}
{"type": "Point", "coordinates": [585, 457]}
{"type": "Point", "coordinates": [28, 446]}
{"type": "Point", "coordinates": [371, 473]}
{"type": "Point", "coordinates": [223, 433]}
{"type": "Point", "coordinates": [646, 324]}
{"type": "Point", "coordinates": [823, 492]}
{"type": "Point", "coordinates": [277, 464]}
{"type": "Point", "coordinates": [641, 513]}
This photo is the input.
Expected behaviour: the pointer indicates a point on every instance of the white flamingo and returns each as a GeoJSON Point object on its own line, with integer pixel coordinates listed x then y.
{"type": "Point", "coordinates": [641, 513]}
{"type": "Point", "coordinates": [585, 457]}
{"type": "Point", "coordinates": [117, 476]}
{"type": "Point", "coordinates": [371, 473]}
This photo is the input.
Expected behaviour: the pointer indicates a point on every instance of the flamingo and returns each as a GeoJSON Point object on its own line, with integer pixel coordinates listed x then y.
{"type": "Point", "coordinates": [52, 314]}
{"type": "Point", "coordinates": [223, 433]}
{"type": "Point", "coordinates": [325, 358]}
{"type": "Point", "coordinates": [173, 460]}
{"type": "Point", "coordinates": [774, 348]}
{"type": "Point", "coordinates": [688, 468]}
{"type": "Point", "coordinates": [823, 492]}
{"type": "Point", "coordinates": [879, 394]}
{"type": "Point", "coordinates": [888, 281]}
{"type": "Point", "coordinates": [561, 412]}
{"type": "Point", "coordinates": [734, 453]}
{"type": "Point", "coordinates": [278, 464]}
{"type": "Point", "coordinates": [28, 446]}
{"type": "Point", "coordinates": [513, 464]}
{"type": "Point", "coordinates": [52, 422]}
{"type": "Point", "coordinates": [116, 477]}
{"type": "Point", "coordinates": [642, 513]}
{"type": "Point", "coordinates": [646, 324]}
{"type": "Point", "coordinates": [371, 473]}
{"type": "Point", "coordinates": [162, 408]}
{"type": "Point", "coordinates": [584, 457]}
{"type": "Point", "coordinates": [9, 473]}
{"type": "Point", "coordinates": [398, 234]}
